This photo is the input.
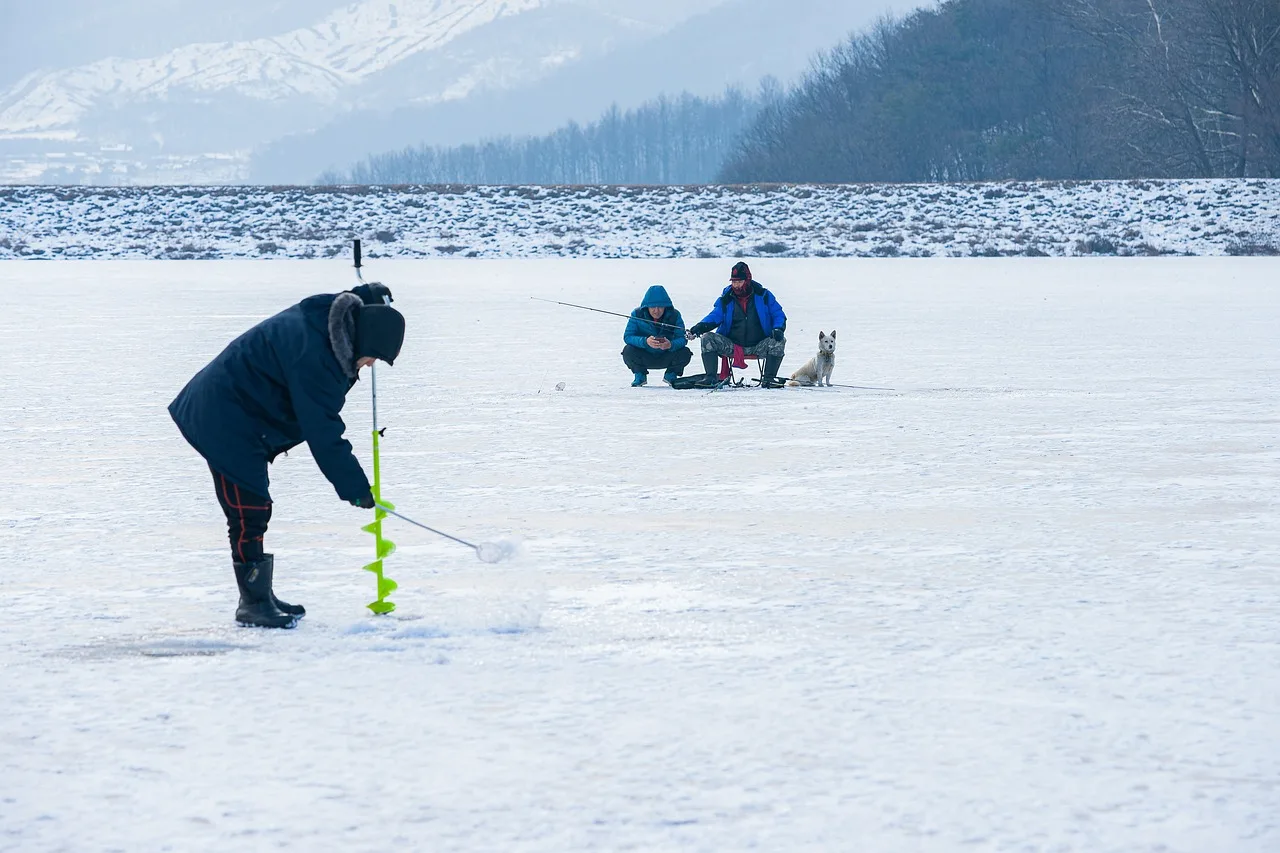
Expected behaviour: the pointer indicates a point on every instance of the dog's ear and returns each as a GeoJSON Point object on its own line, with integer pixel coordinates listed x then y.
{"type": "Point", "coordinates": [833, 333]}
{"type": "Point", "coordinates": [821, 335]}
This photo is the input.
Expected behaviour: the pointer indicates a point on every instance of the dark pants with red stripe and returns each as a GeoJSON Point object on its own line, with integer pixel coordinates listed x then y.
{"type": "Point", "coordinates": [248, 515]}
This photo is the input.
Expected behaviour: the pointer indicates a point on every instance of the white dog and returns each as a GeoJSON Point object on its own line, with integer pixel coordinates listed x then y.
{"type": "Point", "coordinates": [818, 369]}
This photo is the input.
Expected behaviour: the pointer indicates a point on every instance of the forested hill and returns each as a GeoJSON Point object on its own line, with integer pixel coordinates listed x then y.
{"type": "Point", "coordinates": [682, 140]}
{"type": "Point", "coordinates": [1034, 89]}
{"type": "Point", "coordinates": [968, 90]}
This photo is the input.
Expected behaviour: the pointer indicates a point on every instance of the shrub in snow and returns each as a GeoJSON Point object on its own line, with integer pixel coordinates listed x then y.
{"type": "Point", "coordinates": [1095, 246]}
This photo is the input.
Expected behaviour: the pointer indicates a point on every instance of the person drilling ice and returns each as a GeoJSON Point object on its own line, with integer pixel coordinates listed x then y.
{"type": "Point", "coordinates": [279, 384]}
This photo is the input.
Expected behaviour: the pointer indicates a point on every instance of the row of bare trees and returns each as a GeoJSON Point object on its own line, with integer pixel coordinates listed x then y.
{"type": "Point", "coordinates": [682, 140]}
{"type": "Point", "coordinates": [986, 89]}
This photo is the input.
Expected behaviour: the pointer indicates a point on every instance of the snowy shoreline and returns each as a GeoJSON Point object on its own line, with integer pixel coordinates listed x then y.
{"type": "Point", "coordinates": [1140, 217]}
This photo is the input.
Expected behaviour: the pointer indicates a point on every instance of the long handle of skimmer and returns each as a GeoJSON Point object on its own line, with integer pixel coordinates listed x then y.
{"type": "Point", "coordinates": [389, 511]}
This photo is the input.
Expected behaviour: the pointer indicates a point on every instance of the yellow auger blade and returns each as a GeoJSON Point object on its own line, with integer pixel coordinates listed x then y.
{"type": "Point", "coordinates": [386, 586]}
{"type": "Point", "coordinates": [383, 547]}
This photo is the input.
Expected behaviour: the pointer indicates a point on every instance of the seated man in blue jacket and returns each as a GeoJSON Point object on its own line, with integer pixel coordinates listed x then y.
{"type": "Point", "coordinates": [655, 337]}
{"type": "Point", "coordinates": [281, 383]}
{"type": "Point", "coordinates": [745, 316]}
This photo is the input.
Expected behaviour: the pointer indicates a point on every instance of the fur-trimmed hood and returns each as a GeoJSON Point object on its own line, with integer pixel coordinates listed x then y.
{"type": "Point", "coordinates": [342, 331]}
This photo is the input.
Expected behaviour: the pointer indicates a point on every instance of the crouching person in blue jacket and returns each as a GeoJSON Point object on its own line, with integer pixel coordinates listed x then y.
{"type": "Point", "coordinates": [279, 384]}
{"type": "Point", "coordinates": [655, 338]}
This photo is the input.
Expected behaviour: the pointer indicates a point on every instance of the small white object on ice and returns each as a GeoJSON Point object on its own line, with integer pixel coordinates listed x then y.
{"type": "Point", "coordinates": [496, 552]}
{"type": "Point", "coordinates": [559, 386]}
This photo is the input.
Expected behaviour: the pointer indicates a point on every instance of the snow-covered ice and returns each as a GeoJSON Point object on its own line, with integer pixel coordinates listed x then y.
{"type": "Point", "coordinates": [1027, 600]}
{"type": "Point", "coordinates": [496, 552]}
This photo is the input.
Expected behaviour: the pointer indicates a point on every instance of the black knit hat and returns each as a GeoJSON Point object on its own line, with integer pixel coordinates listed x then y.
{"type": "Point", "coordinates": [379, 332]}
{"type": "Point", "coordinates": [740, 271]}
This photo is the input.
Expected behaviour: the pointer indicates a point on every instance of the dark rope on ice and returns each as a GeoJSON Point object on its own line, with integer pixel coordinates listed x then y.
{"type": "Point", "coordinates": [837, 385]}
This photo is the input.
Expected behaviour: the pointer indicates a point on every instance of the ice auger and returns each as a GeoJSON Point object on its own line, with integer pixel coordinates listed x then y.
{"type": "Point", "coordinates": [383, 547]}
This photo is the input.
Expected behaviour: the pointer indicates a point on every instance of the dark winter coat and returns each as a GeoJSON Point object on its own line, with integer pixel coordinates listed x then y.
{"type": "Point", "coordinates": [641, 326]}
{"type": "Point", "coordinates": [768, 312]}
{"type": "Point", "coordinates": [283, 382]}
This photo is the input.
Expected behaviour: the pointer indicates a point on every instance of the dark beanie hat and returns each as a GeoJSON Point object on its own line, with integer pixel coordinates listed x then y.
{"type": "Point", "coordinates": [379, 332]}
{"type": "Point", "coordinates": [740, 271]}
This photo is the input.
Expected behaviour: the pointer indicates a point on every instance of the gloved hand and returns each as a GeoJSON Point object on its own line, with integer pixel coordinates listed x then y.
{"type": "Point", "coordinates": [778, 334]}
{"type": "Point", "coordinates": [366, 502]}
{"type": "Point", "coordinates": [701, 328]}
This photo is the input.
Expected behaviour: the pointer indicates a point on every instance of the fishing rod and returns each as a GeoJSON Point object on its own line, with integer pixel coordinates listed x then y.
{"type": "Point", "coordinates": [685, 332]}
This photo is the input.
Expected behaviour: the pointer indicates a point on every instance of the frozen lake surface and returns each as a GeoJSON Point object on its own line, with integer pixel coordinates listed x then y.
{"type": "Point", "coordinates": [1027, 600]}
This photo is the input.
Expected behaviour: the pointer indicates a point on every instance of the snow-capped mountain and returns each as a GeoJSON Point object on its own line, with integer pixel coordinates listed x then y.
{"type": "Point", "coordinates": [194, 113]}
{"type": "Point", "coordinates": [316, 62]}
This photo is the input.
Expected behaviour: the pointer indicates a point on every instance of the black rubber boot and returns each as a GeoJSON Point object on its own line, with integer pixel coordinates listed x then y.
{"type": "Point", "coordinates": [257, 606]}
{"type": "Point", "coordinates": [771, 365]}
{"type": "Point", "coordinates": [711, 364]}
{"type": "Point", "coordinates": [710, 370]}
{"type": "Point", "coordinates": [283, 606]}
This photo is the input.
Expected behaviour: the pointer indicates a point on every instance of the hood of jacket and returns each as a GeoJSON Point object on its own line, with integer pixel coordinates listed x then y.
{"type": "Point", "coordinates": [656, 297]}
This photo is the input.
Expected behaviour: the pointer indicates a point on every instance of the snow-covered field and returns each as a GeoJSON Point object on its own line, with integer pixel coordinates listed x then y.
{"type": "Point", "coordinates": [1027, 600]}
{"type": "Point", "coordinates": [875, 220]}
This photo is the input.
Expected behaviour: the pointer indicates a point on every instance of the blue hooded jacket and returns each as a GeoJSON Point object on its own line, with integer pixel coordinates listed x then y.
{"type": "Point", "coordinates": [283, 382]}
{"type": "Point", "coordinates": [641, 327]}
{"type": "Point", "coordinates": [767, 309]}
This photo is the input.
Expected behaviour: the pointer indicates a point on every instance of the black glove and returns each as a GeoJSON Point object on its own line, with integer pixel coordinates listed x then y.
{"type": "Point", "coordinates": [701, 328]}
{"type": "Point", "coordinates": [777, 334]}
{"type": "Point", "coordinates": [366, 502]}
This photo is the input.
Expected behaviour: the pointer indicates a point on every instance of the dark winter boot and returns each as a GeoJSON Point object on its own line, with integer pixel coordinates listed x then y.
{"type": "Point", "coordinates": [283, 606]}
{"type": "Point", "coordinates": [711, 364]}
{"type": "Point", "coordinates": [710, 370]}
{"type": "Point", "coordinates": [257, 606]}
{"type": "Point", "coordinates": [771, 365]}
